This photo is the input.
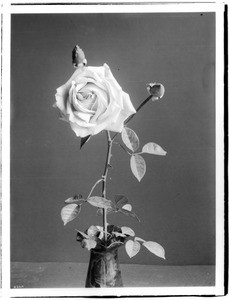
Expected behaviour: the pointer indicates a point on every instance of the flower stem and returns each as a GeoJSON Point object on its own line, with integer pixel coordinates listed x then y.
{"type": "Point", "coordinates": [120, 145]}
{"type": "Point", "coordinates": [139, 107]}
{"type": "Point", "coordinates": [104, 182]}
{"type": "Point", "coordinates": [107, 164]}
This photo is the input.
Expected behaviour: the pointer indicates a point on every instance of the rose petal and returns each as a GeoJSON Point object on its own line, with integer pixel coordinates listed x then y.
{"type": "Point", "coordinates": [78, 105]}
{"type": "Point", "coordinates": [83, 116]}
{"type": "Point", "coordinates": [88, 100]}
{"type": "Point", "coordinates": [127, 110]}
{"type": "Point", "coordinates": [109, 76]}
{"type": "Point", "coordinates": [96, 71]}
{"type": "Point", "coordinates": [61, 103]}
{"type": "Point", "coordinates": [79, 86]}
{"type": "Point", "coordinates": [113, 108]}
{"type": "Point", "coordinates": [62, 91]}
{"type": "Point", "coordinates": [74, 119]}
{"type": "Point", "coordinates": [101, 94]}
{"type": "Point", "coordinates": [100, 110]}
{"type": "Point", "coordinates": [79, 130]}
{"type": "Point", "coordinates": [89, 116]}
{"type": "Point", "coordinates": [99, 82]}
{"type": "Point", "coordinates": [97, 128]}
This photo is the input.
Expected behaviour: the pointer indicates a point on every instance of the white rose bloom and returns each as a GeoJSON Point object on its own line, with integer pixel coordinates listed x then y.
{"type": "Point", "coordinates": [92, 101]}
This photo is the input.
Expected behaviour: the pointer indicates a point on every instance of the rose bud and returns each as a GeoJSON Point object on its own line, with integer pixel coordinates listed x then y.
{"type": "Point", "coordinates": [157, 90]}
{"type": "Point", "coordinates": [78, 57]}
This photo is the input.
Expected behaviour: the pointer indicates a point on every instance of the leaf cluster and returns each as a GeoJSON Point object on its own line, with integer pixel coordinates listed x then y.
{"type": "Point", "coordinates": [120, 205]}
{"type": "Point", "coordinates": [137, 162]}
{"type": "Point", "coordinates": [70, 211]}
{"type": "Point", "coordinates": [133, 247]}
{"type": "Point", "coordinates": [93, 238]}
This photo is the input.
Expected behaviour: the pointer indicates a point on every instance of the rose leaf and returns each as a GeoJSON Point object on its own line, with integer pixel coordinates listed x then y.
{"type": "Point", "coordinates": [84, 140]}
{"type": "Point", "coordinates": [130, 139]}
{"type": "Point", "coordinates": [120, 200]}
{"type": "Point", "coordinates": [92, 231]}
{"type": "Point", "coordinates": [109, 211]}
{"type": "Point", "coordinates": [117, 234]}
{"type": "Point", "coordinates": [127, 231]}
{"type": "Point", "coordinates": [78, 199]}
{"type": "Point", "coordinates": [89, 243]}
{"type": "Point", "coordinates": [132, 248]}
{"type": "Point", "coordinates": [82, 234]}
{"type": "Point", "coordinates": [100, 202]}
{"type": "Point", "coordinates": [153, 148]}
{"type": "Point", "coordinates": [127, 207]}
{"type": "Point", "coordinates": [70, 212]}
{"type": "Point", "coordinates": [138, 166]}
{"type": "Point", "coordinates": [139, 239]}
{"type": "Point", "coordinates": [128, 213]}
{"type": "Point", "coordinates": [101, 234]}
{"type": "Point", "coordinates": [155, 248]}
{"type": "Point", "coordinates": [115, 244]}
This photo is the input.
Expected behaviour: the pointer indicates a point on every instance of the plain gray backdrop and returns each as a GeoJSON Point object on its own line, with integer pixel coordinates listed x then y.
{"type": "Point", "coordinates": [176, 199]}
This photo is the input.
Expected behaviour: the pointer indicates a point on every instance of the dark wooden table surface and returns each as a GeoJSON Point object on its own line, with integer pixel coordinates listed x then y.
{"type": "Point", "coordinates": [70, 275]}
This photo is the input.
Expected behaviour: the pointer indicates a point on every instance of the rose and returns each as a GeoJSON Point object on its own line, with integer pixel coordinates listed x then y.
{"type": "Point", "coordinates": [92, 101]}
{"type": "Point", "coordinates": [78, 57]}
{"type": "Point", "coordinates": [157, 90]}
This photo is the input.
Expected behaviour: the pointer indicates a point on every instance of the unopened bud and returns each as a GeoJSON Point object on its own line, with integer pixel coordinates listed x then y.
{"type": "Point", "coordinates": [78, 57]}
{"type": "Point", "coordinates": [157, 90]}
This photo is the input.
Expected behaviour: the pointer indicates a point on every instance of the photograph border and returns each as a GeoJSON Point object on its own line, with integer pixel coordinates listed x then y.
{"type": "Point", "coordinates": [17, 7]}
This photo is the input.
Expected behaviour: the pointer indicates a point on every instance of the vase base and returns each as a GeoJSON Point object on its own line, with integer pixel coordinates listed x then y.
{"type": "Point", "coordinates": [104, 270]}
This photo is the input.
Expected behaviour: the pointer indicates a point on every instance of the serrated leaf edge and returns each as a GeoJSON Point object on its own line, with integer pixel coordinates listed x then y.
{"type": "Point", "coordinates": [129, 144]}
{"type": "Point", "coordinates": [133, 166]}
{"type": "Point", "coordinates": [131, 254]}
{"type": "Point", "coordinates": [154, 153]}
{"type": "Point", "coordinates": [161, 256]}
{"type": "Point", "coordinates": [67, 205]}
{"type": "Point", "coordinates": [126, 229]}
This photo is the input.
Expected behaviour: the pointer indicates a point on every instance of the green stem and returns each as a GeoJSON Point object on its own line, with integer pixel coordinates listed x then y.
{"type": "Point", "coordinates": [120, 145]}
{"type": "Point", "coordinates": [104, 181]}
{"type": "Point", "coordinates": [139, 107]}
{"type": "Point", "coordinates": [107, 164]}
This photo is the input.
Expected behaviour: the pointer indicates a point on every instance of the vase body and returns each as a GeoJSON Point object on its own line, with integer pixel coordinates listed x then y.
{"type": "Point", "coordinates": [104, 269]}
